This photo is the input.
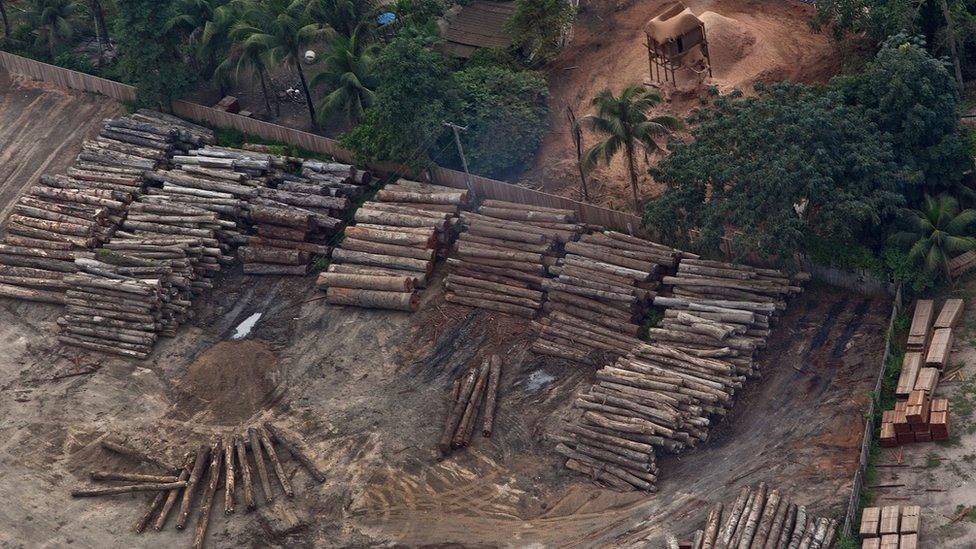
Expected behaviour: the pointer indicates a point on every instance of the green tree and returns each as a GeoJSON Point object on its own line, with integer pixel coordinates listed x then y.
{"type": "Point", "coordinates": [878, 19]}
{"type": "Point", "coordinates": [51, 22]}
{"type": "Point", "coordinates": [505, 114]}
{"type": "Point", "coordinates": [913, 98]}
{"type": "Point", "coordinates": [936, 233]}
{"type": "Point", "coordinates": [347, 17]}
{"type": "Point", "coordinates": [625, 126]}
{"type": "Point", "coordinates": [347, 77]}
{"type": "Point", "coordinates": [248, 58]}
{"type": "Point", "coordinates": [281, 30]}
{"type": "Point", "coordinates": [538, 27]}
{"type": "Point", "coordinates": [772, 172]}
{"type": "Point", "coordinates": [154, 66]}
{"type": "Point", "coordinates": [101, 28]}
{"type": "Point", "coordinates": [6, 22]}
{"type": "Point", "coordinates": [410, 103]}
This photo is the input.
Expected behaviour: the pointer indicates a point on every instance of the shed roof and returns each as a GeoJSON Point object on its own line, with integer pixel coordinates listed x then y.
{"type": "Point", "coordinates": [480, 24]}
{"type": "Point", "coordinates": [672, 21]}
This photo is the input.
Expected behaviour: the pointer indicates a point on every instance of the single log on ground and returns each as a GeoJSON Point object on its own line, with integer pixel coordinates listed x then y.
{"type": "Point", "coordinates": [196, 476]}
{"type": "Point", "coordinates": [491, 399]}
{"type": "Point", "coordinates": [255, 443]}
{"type": "Point", "coordinates": [126, 489]}
{"type": "Point", "coordinates": [273, 457]}
{"type": "Point", "coordinates": [188, 465]}
{"type": "Point", "coordinates": [456, 413]}
{"type": "Point", "coordinates": [374, 299]}
{"type": "Point", "coordinates": [133, 477]}
{"type": "Point", "coordinates": [209, 492]}
{"type": "Point", "coordinates": [245, 472]}
{"type": "Point", "coordinates": [365, 282]}
{"type": "Point", "coordinates": [298, 448]}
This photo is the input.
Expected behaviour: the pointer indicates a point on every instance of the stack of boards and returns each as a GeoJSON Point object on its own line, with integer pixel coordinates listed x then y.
{"type": "Point", "coordinates": [502, 258]}
{"type": "Point", "coordinates": [63, 216]}
{"type": "Point", "coordinates": [665, 394]}
{"type": "Point", "coordinates": [195, 481]}
{"type": "Point", "coordinates": [764, 519]}
{"type": "Point", "coordinates": [918, 416]}
{"type": "Point", "coordinates": [391, 250]}
{"type": "Point", "coordinates": [890, 527]}
{"type": "Point", "coordinates": [604, 286]}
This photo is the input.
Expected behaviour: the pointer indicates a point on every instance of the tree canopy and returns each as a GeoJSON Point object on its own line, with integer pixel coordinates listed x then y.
{"type": "Point", "coordinates": [769, 172]}
{"type": "Point", "coordinates": [154, 66]}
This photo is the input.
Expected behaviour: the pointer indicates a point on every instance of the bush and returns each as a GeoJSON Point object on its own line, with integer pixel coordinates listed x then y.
{"type": "Point", "coordinates": [505, 113]}
{"type": "Point", "coordinates": [75, 62]}
{"type": "Point", "coordinates": [538, 26]}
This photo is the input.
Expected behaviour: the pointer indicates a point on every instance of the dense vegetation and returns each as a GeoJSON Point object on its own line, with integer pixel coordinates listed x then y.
{"type": "Point", "coordinates": [829, 171]}
{"type": "Point", "coordinates": [384, 84]}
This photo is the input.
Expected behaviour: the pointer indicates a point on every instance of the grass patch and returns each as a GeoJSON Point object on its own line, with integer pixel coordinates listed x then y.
{"type": "Point", "coordinates": [229, 137]}
{"type": "Point", "coordinates": [932, 460]}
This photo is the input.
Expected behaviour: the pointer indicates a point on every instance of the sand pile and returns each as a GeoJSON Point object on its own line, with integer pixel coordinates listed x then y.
{"type": "Point", "coordinates": [729, 42]}
{"type": "Point", "coordinates": [229, 383]}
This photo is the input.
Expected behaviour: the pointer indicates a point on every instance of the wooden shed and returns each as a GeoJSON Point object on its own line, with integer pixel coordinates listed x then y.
{"type": "Point", "coordinates": [672, 33]}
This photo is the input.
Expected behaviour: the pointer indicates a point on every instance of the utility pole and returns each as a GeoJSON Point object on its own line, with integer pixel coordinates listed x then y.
{"type": "Point", "coordinates": [464, 162]}
{"type": "Point", "coordinates": [578, 140]}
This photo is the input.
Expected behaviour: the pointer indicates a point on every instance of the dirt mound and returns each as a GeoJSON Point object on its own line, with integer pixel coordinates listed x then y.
{"type": "Point", "coordinates": [729, 42]}
{"type": "Point", "coordinates": [229, 383]}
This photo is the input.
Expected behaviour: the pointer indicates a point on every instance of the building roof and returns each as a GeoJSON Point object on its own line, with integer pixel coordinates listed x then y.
{"type": "Point", "coordinates": [672, 21]}
{"type": "Point", "coordinates": [480, 24]}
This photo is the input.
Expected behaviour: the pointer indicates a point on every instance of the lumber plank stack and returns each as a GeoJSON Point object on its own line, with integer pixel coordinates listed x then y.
{"type": "Point", "coordinates": [894, 526]}
{"type": "Point", "coordinates": [921, 327]}
{"type": "Point", "coordinates": [604, 285]}
{"type": "Point", "coordinates": [390, 252]}
{"type": "Point", "coordinates": [475, 394]}
{"type": "Point", "coordinates": [962, 264]}
{"type": "Point", "coordinates": [502, 258]}
{"type": "Point", "coordinates": [63, 215]}
{"type": "Point", "coordinates": [919, 418]}
{"type": "Point", "coordinates": [761, 518]}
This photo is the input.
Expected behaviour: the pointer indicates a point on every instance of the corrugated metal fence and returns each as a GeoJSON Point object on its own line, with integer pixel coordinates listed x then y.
{"type": "Point", "coordinates": [482, 186]}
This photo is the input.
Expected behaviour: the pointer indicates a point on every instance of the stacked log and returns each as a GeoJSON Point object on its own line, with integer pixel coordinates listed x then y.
{"type": "Point", "coordinates": [390, 252]}
{"type": "Point", "coordinates": [603, 288]}
{"type": "Point", "coordinates": [224, 462]}
{"type": "Point", "coordinates": [502, 258]}
{"type": "Point", "coordinates": [330, 178]}
{"type": "Point", "coordinates": [64, 214]}
{"type": "Point", "coordinates": [765, 519]}
{"type": "Point", "coordinates": [475, 393]}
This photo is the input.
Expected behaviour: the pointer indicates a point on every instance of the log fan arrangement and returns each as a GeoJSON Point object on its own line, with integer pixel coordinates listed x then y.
{"type": "Point", "coordinates": [500, 261]}
{"type": "Point", "coordinates": [604, 286]}
{"type": "Point", "coordinates": [665, 394]}
{"type": "Point", "coordinates": [63, 216]}
{"type": "Point", "coordinates": [243, 464]}
{"type": "Point", "coordinates": [474, 395]}
{"type": "Point", "coordinates": [390, 252]}
{"type": "Point", "coordinates": [764, 519]}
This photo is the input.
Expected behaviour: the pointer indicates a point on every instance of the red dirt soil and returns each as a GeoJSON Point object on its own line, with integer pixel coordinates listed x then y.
{"type": "Point", "coordinates": [749, 41]}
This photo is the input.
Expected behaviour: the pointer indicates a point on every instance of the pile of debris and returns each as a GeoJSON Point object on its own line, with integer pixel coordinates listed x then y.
{"type": "Point", "coordinates": [474, 393]}
{"type": "Point", "coordinates": [225, 458]}
{"type": "Point", "coordinates": [765, 519]}
{"type": "Point", "coordinates": [500, 261]}
{"type": "Point", "coordinates": [666, 394]}
{"type": "Point", "coordinates": [604, 287]}
{"type": "Point", "coordinates": [391, 250]}
{"type": "Point", "coordinates": [63, 215]}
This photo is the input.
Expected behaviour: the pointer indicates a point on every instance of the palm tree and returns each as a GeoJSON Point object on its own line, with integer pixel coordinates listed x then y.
{"type": "Point", "coordinates": [936, 231]}
{"type": "Point", "coordinates": [345, 16]}
{"type": "Point", "coordinates": [280, 30]}
{"type": "Point", "coordinates": [6, 22]}
{"type": "Point", "coordinates": [51, 21]}
{"type": "Point", "coordinates": [347, 77]}
{"type": "Point", "coordinates": [624, 122]}
{"type": "Point", "coordinates": [248, 57]}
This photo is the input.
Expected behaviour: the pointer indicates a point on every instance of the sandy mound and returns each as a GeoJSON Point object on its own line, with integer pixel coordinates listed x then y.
{"type": "Point", "coordinates": [728, 41]}
{"type": "Point", "coordinates": [229, 383]}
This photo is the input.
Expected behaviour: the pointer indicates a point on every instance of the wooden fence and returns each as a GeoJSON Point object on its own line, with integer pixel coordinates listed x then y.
{"type": "Point", "coordinates": [483, 187]}
{"type": "Point", "coordinates": [854, 503]}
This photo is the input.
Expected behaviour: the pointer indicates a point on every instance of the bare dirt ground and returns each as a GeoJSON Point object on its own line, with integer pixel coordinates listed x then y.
{"type": "Point", "coordinates": [939, 476]}
{"type": "Point", "coordinates": [749, 41]}
{"type": "Point", "coordinates": [369, 389]}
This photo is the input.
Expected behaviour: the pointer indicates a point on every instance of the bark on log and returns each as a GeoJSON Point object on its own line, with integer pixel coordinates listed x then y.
{"type": "Point", "coordinates": [398, 238]}
{"type": "Point", "coordinates": [275, 232]}
{"type": "Point", "coordinates": [273, 457]}
{"type": "Point", "coordinates": [278, 256]}
{"type": "Point", "coordinates": [228, 448]}
{"type": "Point", "coordinates": [463, 434]}
{"type": "Point", "coordinates": [491, 400]}
{"type": "Point", "coordinates": [766, 520]}
{"type": "Point", "coordinates": [387, 249]}
{"type": "Point", "coordinates": [279, 216]}
{"type": "Point", "coordinates": [787, 529]}
{"type": "Point", "coordinates": [365, 282]}
{"type": "Point", "coordinates": [777, 527]}
{"type": "Point", "coordinates": [525, 215]}
{"type": "Point", "coordinates": [28, 242]}
{"type": "Point", "coordinates": [396, 220]}
{"type": "Point", "coordinates": [492, 305]}
{"type": "Point", "coordinates": [399, 301]}
{"type": "Point", "coordinates": [126, 489]}
{"type": "Point", "coordinates": [156, 503]}
{"type": "Point", "coordinates": [734, 517]}
{"type": "Point", "coordinates": [298, 448]}
{"type": "Point", "coordinates": [209, 493]}
{"type": "Point", "coordinates": [275, 269]}
{"type": "Point", "coordinates": [499, 233]}
{"type": "Point", "coordinates": [711, 527]}
{"type": "Point", "coordinates": [133, 477]}
{"type": "Point", "coordinates": [303, 247]}
{"type": "Point", "coordinates": [469, 249]}
{"type": "Point", "coordinates": [455, 414]}
{"type": "Point", "coordinates": [419, 279]}
{"type": "Point", "coordinates": [248, 484]}
{"type": "Point", "coordinates": [495, 287]}
{"type": "Point", "coordinates": [252, 436]}
{"type": "Point", "coordinates": [349, 256]}
{"type": "Point", "coordinates": [419, 197]}
{"type": "Point", "coordinates": [196, 476]}
{"type": "Point", "coordinates": [173, 495]}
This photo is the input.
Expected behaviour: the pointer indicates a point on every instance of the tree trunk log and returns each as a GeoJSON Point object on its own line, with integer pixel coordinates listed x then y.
{"type": "Point", "coordinates": [374, 299]}
{"type": "Point", "coordinates": [273, 457]}
{"type": "Point", "coordinates": [209, 493]}
{"type": "Point", "coordinates": [252, 436]}
{"type": "Point", "coordinates": [365, 282]}
{"type": "Point", "coordinates": [298, 448]}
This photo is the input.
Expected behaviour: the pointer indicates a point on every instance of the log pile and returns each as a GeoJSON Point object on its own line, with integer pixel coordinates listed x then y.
{"type": "Point", "coordinates": [501, 260]}
{"type": "Point", "coordinates": [603, 288]}
{"type": "Point", "coordinates": [64, 214]}
{"type": "Point", "coordinates": [764, 519]}
{"type": "Point", "coordinates": [390, 252]}
{"type": "Point", "coordinates": [241, 461]}
{"type": "Point", "coordinates": [666, 393]}
{"type": "Point", "coordinates": [329, 178]}
{"type": "Point", "coordinates": [474, 394]}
